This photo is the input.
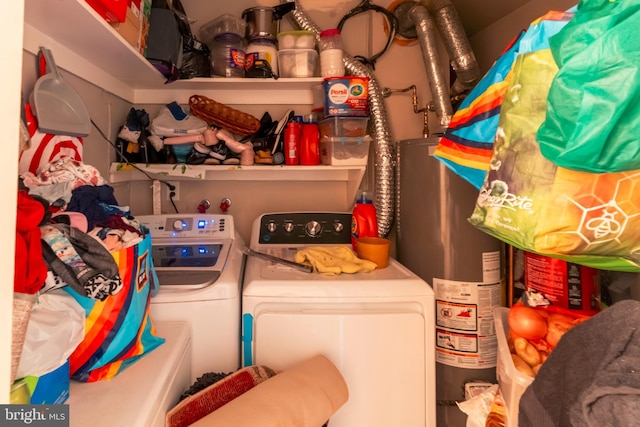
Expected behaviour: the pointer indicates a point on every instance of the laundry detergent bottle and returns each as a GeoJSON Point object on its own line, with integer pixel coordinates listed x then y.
{"type": "Point", "coordinates": [364, 221]}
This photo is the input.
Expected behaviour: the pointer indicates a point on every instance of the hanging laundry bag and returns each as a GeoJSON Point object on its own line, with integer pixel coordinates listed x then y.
{"type": "Point", "coordinates": [467, 144]}
{"type": "Point", "coordinates": [118, 330]}
{"type": "Point", "coordinates": [593, 114]}
{"type": "Point", "coordinates": [535, 205]}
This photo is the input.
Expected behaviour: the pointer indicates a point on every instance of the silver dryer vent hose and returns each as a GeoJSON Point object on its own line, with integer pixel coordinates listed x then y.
{"type": "Point", "coordinates": [446, 19]}
{"type": "Point", "coordinates": [384, 162]}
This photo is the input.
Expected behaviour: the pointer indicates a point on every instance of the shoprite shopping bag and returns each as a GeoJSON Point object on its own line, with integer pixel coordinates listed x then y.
{"type": "Point", "coordinates": [467, 144]}
{"type": "Point", "coordinates": [118, 330]}
{"type": "Point", "coordinates": [535, 205]}
{"type": "Point", "coordinates": [593, 114]}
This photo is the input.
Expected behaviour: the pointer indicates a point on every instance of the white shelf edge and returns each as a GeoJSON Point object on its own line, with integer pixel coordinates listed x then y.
{"type": "Point", "coordinates": [234, 91]}
{"type": "Point", "coordinates": [119, 172]}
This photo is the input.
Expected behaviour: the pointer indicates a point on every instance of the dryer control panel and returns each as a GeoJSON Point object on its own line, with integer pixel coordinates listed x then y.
{"type": "Point", "coordinates": [304, 228]}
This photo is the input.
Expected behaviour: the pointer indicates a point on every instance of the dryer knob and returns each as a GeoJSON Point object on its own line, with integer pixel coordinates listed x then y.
{"type": "Point", "coordinates": [271, 227]}
{"type": "Point", "coordinates": [313, 228]}
{"type": "Point", "coordinates": [338, 226]}
{"type": "Point", "coordinates": [178, 225]}
{"type": "Point", "coordinates": [288, 227]}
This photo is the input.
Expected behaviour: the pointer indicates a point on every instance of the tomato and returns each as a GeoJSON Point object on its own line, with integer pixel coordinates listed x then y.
{"type": "Point", "coordinates": [527, 322]}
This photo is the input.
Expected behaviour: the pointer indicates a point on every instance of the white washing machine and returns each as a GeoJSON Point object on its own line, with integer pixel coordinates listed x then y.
{"type": "Point", "coordinates": [199, 262]}
{"type": "Point", "coordinates": [377, 327]}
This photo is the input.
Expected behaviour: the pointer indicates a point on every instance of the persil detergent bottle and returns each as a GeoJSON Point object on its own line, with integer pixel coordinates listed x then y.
{"type": "Point", "coordinates": [364, 221]}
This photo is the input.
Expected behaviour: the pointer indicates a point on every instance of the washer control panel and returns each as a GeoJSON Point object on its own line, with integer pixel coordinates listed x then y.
{"type": "Point", "coordinates": [304, 228]}
{"type": "Point", "coordinates": [184, 226]}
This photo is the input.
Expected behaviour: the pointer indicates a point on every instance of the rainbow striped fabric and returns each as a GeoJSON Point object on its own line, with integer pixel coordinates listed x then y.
{"type": "Point", "coordinates": [467, 144]}
{"type": "Point", "coordinates": [118, 330]}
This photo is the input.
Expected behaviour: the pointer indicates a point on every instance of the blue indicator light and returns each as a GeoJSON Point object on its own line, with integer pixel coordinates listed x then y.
{"type": "Point", "coordinates": [202, 250]}
{"type": "Point", "coordinates": [202, 223]}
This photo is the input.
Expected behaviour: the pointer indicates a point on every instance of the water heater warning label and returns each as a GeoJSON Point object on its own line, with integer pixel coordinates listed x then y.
{"type": "Point", "coordinates": [465, 332]}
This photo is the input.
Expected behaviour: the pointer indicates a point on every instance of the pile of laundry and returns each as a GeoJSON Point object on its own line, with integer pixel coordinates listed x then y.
{"type": "Point", "coordinates": [73, 210]}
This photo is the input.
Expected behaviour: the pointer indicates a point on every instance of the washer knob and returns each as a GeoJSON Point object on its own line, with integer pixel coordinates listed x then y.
{"type": "Point", "coordinates": [313, 228]}
{"type": "Point", "coordinates": [271, 227]}
{"type": "Point", "coordinates": [288, 227]}
{"type": "Point", "coordinates": [178, 225]}
{"type": "Point", "coordinates": [338, 226]}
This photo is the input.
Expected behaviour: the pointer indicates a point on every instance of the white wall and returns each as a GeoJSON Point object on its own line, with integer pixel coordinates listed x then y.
{"type": "Point", "coordinates": [488, 43]}
{"type": "Point", "coordinates": [11, 14]}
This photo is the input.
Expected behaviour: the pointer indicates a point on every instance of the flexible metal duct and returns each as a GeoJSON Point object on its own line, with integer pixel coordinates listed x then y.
{"type": "Point", "coordinates": [441, 15]}
{"type": "Point", "coordinates": [463, 61]}
{"type": "Point", "coordinates": [455, 41]}
{"type": "Point", "coordinates": [426, 33]}
{"type": "Point", "coordinates": [384, 161]}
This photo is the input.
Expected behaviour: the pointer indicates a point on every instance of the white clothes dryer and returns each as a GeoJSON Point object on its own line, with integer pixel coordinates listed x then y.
{"type": "Point", "coordinates": [199, 262]}
{"type": "Point", "coordinates": [377, 328]}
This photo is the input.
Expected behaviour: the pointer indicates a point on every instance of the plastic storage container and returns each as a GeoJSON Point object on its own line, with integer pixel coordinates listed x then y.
{"type": "Point", "coordinates": [346, 96]}
{"type": "Point", "coordinates": [331, 53]}
{"type": "Point", "coordinates": [297, 62]}
{"type": "Point", "coordinates": [512, 383]}
{"type": "Point", "coordinates": [301, 39]}
{"type": "Point", "coordinates": [221, 25]}
{"type": "Point", "coordinates": [343, 126]}
{"type": "Point", "coordinates": [227, 55]}
{"type": "Point", "coordinates": [344, 151]}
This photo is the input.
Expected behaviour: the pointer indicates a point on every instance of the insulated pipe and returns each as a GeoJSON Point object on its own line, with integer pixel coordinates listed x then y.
{"type": "Point", "coordinates": [384, 161]}
{"type": "Point", "coordinates": [426, 32]}
{"type": "Point", "coordinates": [455, 40]}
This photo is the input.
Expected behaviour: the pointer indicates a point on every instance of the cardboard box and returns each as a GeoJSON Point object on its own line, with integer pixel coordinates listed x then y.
{"type": "Point", "coordinates": [344, 151]}
{"type": "Point", "coordinates": [49, 389]}
{"type": "Point", "coordinates": [135, 27]}
{"type": "Point", "coordinates": [130, 29]}
{"type": "Point", "coordinates": [512, 383]}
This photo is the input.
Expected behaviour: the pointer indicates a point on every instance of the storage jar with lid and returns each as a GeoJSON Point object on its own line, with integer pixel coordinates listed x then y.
{"type": "Point", "coordinates": [262, 48]}
{"type": "Point", "coordinates": [331, 53]}
{"type": "Point", "coordinates": [227, 55]}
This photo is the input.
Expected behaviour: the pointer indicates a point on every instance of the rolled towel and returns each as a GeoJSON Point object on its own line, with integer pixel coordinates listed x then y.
{"type": "Point", "coordinates": [207, 400]}
{"type": "Point", "coordinates": [305, 395]}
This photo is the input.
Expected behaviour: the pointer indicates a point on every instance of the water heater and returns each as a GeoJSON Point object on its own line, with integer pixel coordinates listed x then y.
{"type": "Point", "coordinates": [462, 264]}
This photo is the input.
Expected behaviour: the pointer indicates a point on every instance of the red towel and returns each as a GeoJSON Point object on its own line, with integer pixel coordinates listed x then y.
{"type": "Point", "coordinates": [30, 269]}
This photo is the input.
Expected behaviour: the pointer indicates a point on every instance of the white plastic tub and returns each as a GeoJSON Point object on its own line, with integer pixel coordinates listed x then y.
{"type": "Point", "coordinates": [512, 383]}
{"type": "Point", "coordinates": [297, 62]}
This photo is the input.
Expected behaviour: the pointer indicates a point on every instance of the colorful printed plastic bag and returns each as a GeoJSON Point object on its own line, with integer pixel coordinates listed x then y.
{"type": "Point", "coordinates": [118, 330]}
{"type": "Point", "coordinates": [593, 110]}
{"type": "Point", "coordinates": [532, 204]}
{"type": "Point", "coordinates": [467, 144]}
